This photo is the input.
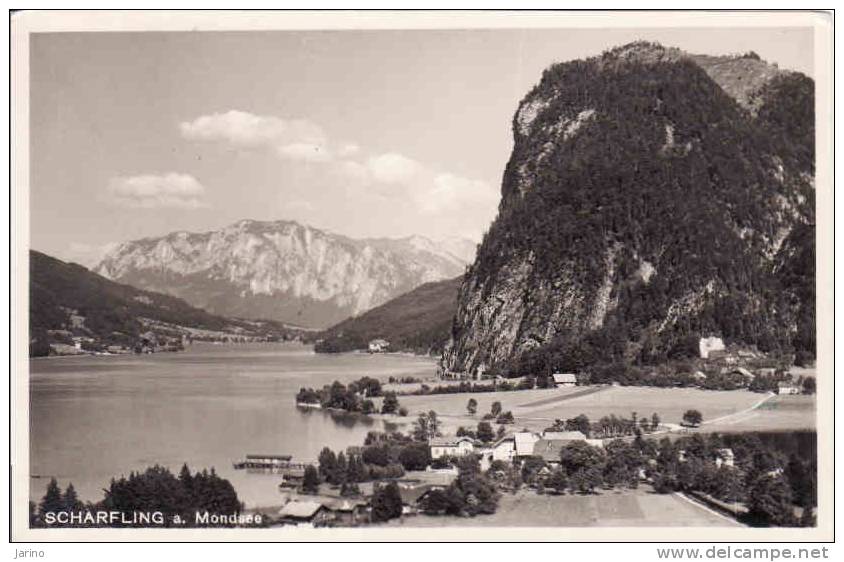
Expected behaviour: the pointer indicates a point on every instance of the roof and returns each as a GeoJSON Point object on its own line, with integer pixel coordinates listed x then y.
{"type": "Point", "coordinates": [379, 342]}
{"type": "Point", "coordinates": [549, 449]}
{"type": "Point", "coordinates": [300, 509]}
{"type": "Point", "coordinates": [343, 504]}
{"type": "Point", "coordinates": [564, 377]}
{"type": "Point", "coordinates": [524, 442]}
{"type": "Point", "coordinates": [275, 457]}
{"type": "Point", "coordinates": [497, 442]}
{"type": "Point", "coordinates": [447, 441]}
{"type": "Point", "coordinates": [726, 453]}
{"type": "Point", "coordinates": [411, 495]}
{"type": "Point", "coordinates": [564, 435]}
{"type": "Point", "coordinates": [743, 372]}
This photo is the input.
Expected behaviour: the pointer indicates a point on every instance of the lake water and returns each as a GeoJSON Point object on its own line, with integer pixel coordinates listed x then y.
{"type": "Point", "coordinates": [92, 418]}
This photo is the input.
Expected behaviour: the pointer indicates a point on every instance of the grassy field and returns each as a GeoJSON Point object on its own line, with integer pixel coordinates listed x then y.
{"type": "Point", "coordinates": [778, 413]}
{"type": "Point", "coordinates": [536, 409]}
{"type": "Point", "coordinates": [629, 508]}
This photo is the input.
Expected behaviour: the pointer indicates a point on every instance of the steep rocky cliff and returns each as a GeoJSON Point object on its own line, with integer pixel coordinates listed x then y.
{"type": "Point", "coordinates": [282, 270]}
{"type": "Point", "coordinates": [651, 196]}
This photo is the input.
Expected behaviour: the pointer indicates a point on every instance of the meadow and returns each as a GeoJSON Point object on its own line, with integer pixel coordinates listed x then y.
{"type": "Point", "coordinates": [627, 508]}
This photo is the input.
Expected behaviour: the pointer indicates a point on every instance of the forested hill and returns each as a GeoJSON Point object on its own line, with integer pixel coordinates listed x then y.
{"type": "Point", "coordinates": [651, 197]}
{"type": "Point", "coordinates": [67, 301]}
{"type": "Point", "coordinates": [418, 321]}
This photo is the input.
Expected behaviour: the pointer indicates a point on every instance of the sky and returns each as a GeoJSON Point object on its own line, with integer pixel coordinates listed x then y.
{"type": "Point", "coordinates": [363, 133]}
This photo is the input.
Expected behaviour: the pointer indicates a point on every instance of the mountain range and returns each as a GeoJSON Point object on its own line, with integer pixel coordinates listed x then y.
{"type": "Point", "coordinates": [283, 270]}
{"type": "Point", "coordinates": [652, 197]}
{"type": "Point", "coordinates": [68, 301]}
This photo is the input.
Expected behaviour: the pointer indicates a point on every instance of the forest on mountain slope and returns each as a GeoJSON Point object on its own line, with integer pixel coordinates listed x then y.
{"type": "Point", "coordinates": [673, 172]}
{"type": "Point", "coordinates": [418, 321]}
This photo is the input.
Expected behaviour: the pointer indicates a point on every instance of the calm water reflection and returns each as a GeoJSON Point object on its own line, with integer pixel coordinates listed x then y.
{"type": "Point", "coordinates": [93, 418]}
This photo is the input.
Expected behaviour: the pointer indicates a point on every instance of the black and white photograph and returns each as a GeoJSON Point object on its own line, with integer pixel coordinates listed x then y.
{"type": "Point", "coordinates": [393, 273]}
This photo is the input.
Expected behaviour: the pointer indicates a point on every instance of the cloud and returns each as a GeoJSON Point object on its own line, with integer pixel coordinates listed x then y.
{"type": "Point", "coordinates": [152, 191]}
{"type": "Point", "coordinates": [450, 191]}
{"type": "Point", "coordinates": [393, 168]}
{"type": "Point", "coordinates": [296, 139]}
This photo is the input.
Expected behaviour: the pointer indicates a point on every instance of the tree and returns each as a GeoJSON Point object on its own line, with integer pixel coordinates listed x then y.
{"type": "Point", "coordinates": [464, 432]}
{"type": "Point", "coordinates": [52, 502]}
{"type": "Point", "coordinates": [478, 491]}
{"type": "Point", "coordinates": [71, 499]}
{"type": "Point", "coordinates": [349, 489]}
{"type": "Point", "coordinates": [530, 468]}
{"type": "Point", "coordinates": [391, 403]}
{"type": "Point", "coordinates": [809, 385]}
{"type": "Point", "coordinates": [367, 406]}
{"type": "Point", "coordinates": [580, 423]}
{"type": "Point", "coordinates": [655, 421]}
{"type": "Point", "coordinates": [584, 465]}
{"type": "Point", "coordinates": [485, 432]}
{"type": "Point", "coordinates": [692, 418]}
{"type": "Point", "coordinates": [327, 464]}
{"type": "Point", "coordinates": [495, 409]}
{"type": "Point", "coordinates": [807, 518]}
{"type": "Point", "coordinates": [415, 456]}
{"type": "Point", "coordinates": [769, 502]}
{"type": "Point", "coordinates": [386, 502]}
{"type": "Point", "coordinates": [357, 470]}
{"type": "Point", "coordinates": [310, 482]}
{"type": "Point", "coordinates": [443, 502]}
{"type": "Point", "coordinates": [426, 426]}
{"type": "Point", "coordinates": [557, 481]}
{"type": "Point", "coordinates": [506, 417]}
{"type": "Point", "coordinates": [472, 406]}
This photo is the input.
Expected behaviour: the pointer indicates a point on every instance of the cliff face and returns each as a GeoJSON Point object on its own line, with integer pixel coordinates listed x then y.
{"type": "Point", "coordinates": [280, 270]}
{"type": "Point", "coordinates": [647, 200]}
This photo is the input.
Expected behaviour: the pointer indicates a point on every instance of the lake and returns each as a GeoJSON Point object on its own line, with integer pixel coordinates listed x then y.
{"type": "Point", "coordinates": [92, 418]}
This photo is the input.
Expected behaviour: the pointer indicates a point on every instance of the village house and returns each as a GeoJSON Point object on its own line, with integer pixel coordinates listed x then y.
{"type": "Point", "coordinates": [304, 513]}
{"type": "Point", "coordinates": [347, 511]}
{"type": "Point", "coordinates": [411, 496]}
{"type": "Point", "coordinates": [524, 441]}
{"type": "Point", "coordinates": [552, 443]}
{"type": "Point", "coordinates": [725, 457]}
{"type": "Point", "coordinates": [504, 449]}
{"type": "Point", "coordinates": [481, 371]}
{"type": "Point", "coordinates": [742, 372]}
{"type": "Point", "coordinates": [378, 346]}
{"type": "Point", "coordinates": [707, 345]}
{"type": "Point", "coordinates": [787, 387]}
{"type": "Point", "coordinates": [291, 478]}
{"type": "Point", "coordinates": [564, 379]}
{"type": "Point", "coordinates": [450, 447]}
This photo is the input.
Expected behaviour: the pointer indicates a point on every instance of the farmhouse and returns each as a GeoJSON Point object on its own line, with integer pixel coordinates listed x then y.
{"type": "Point", "coordinates": [304, 513]}
{"type": "Point", "coordinates": [346, 511]}
{"type": "Point", "coordinates": [741, 371]}
{"type": "Point", "coordinates": [524, 441]}
{"type": "Point", "coordinates": [725, 457]}
{"type": "Point", "coordinates": [504, 449]}
{"type": "Point", "coordinates": [378, 346]}
{"type": "Point", "coordinates": [708, 345]}
{"type": "Point", "coordinates": [450, 447]}
{"type": "Point", "coordinates": [564, 379]}
{"type": "Point", "coordinates": [787, 387]}
{"type": "Point", "coordinates": [553, 442]}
